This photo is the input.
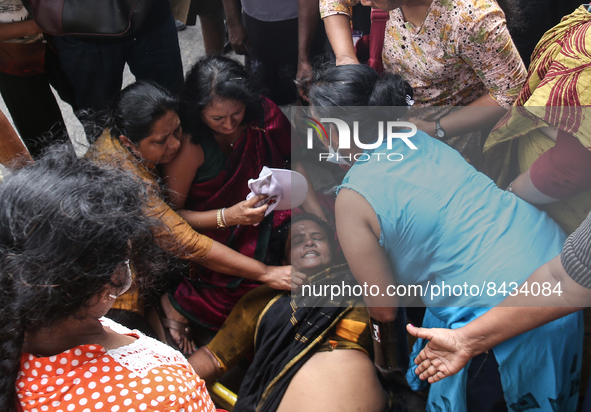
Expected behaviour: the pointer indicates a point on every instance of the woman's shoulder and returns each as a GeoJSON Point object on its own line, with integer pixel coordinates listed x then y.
{"type": "Point", "coordinates": [272, 112]}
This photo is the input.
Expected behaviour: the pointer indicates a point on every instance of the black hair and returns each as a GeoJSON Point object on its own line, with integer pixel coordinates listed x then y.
{"type": "Point", "coordinates": [132, 112]}
{"type": "Point", "coordinates": [358, 85]}
{"type": "Point", "coordinates": [217, 77]}
{"type": "Point", "coordinates": [347, 91]}
{"type": "Point", "coordinates": [279, 237]}
{"type": "Point", "coordinates": [66, 226]}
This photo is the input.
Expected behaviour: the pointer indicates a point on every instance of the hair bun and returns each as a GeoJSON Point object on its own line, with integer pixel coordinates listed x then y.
{"type": "Point", "coordinates": [391, 90]}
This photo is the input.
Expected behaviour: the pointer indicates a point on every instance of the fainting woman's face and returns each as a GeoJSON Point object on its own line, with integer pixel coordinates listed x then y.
{"type": "Point", "coordinates": [223, 116]}
{"type": "Point", "coordinates": [163, 143]}
{"type": "Point", "coordinates": [308, 247]}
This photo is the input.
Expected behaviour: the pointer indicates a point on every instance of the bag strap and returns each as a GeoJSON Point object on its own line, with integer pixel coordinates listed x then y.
{"type": "Point", "coordinates": [379, 18]}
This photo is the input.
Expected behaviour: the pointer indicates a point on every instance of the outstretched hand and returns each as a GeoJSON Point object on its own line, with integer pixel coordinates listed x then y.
{"type": "Point", "coordinates": [445, 354]}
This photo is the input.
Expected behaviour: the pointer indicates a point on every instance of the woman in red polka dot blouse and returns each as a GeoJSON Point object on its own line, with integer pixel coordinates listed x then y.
{"type": "Point", "coordinates": [69, 231]}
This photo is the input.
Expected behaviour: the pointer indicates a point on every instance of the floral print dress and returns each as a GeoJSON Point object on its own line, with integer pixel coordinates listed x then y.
{"type": "Point", "coordinates": [460, 52]}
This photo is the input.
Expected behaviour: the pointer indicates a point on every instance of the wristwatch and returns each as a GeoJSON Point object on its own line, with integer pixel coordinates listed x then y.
{"type": "Point", "coordinates": [439, 132]}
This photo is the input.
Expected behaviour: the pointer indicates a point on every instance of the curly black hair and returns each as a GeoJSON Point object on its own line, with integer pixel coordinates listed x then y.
{"type": "Point", "coordinates": [66, 226]}
{"type": "Point", "coordinates": [217, 77]}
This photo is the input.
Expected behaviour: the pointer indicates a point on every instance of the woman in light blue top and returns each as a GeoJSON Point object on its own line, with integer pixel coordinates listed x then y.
{"type": "Point", "coordinates": [428, 218]}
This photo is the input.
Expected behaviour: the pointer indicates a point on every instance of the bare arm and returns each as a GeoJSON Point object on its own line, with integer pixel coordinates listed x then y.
{"type": "Point", "coordinates": [523, 187]}
{"type": "Point", "coordinates": [206, 365]}
{"type": "Point", "coordinates": [180, 172]}
{"type": "Point", "coordinates": [13, 153]}
{"type": "Point", "coordinates": [448, 351]}
{"type": "Point", "coordinates": [572, 160]}
{"type": "Point", "coordinates": [359, 233]}
{"type": "Point", "coordinates": [225, 260]}
{"type": "Point", "coordinates": [482, 112]}
{"type": "Point", "coordinates": [308, 11]}
{"type": "Point", "coordinates": [16, 30]}
{"type": "Point", "coordinates": [311, 204]}
{"type": "Point", "coordinates": [179, 175]}
{"type": "Point", "coordinates": [236, 31]}
{"type": "Point", "coordinates": [338, 30]}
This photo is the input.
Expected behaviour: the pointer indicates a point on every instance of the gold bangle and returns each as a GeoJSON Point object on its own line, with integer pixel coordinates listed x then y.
{"type": "Point", "coordinates": [219, 220]}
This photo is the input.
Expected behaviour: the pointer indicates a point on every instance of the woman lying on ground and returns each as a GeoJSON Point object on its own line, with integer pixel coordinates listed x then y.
{"type": "Point", "coordinates": [143, 132]}
{"type": "Point", "coordinates": [69, 231]}
{"type": "Point", "coordinates": [233, 132]}
{"type": "Point", "coordinates": [429, 218]}
{"type": "Point", "coordinates": [294, 365]}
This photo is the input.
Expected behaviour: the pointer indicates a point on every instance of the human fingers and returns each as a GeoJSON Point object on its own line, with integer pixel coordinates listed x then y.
{"type": "Point", "coordinates": [259, 211]}
{"type": "Point", "coordinates": [422, 356]}
{"type": "Point", "coordinates": [297, 280]}
{"type": "Point", "coordinates": [250, 203]}
{"type": "Point", "coordinates": [430, 372]}
{"type": "Point", "coordinates": [422, 333]}
{"type": "Point", "coordinates": [281, 278]}
{"type": "Point", "coordinates": [423, 366]}
{"type": "Point", "coordinates": [437, 377]}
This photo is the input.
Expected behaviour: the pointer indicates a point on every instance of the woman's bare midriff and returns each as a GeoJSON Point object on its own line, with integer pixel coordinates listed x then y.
{"type": "Point", "coordinates": [341, 380]}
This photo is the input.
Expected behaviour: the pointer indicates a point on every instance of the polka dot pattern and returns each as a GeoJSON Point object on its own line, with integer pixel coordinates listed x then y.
{"type": "Point", "coordinates": [88, 379]}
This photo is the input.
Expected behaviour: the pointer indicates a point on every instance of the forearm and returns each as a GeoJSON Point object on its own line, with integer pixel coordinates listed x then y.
{"type": "Point", "coordinates": [200, 220]}
{"type": "Point", "coordinates": [523, 187]}
{"type": "Point", "coordinates": [338, 30]}
{"type": "Point", "coordinates": [232, 11]}
{"type": "Point", "coordinates": [527, 312]}
{"type": "Point", "coordinates": [308, 11]}
{"type": "Point", "coordinates": [311, 204]}
{"type": "Point", "coordinates": [13, 153]}
{"type": "Point", "coordinates": [16, 30]}
{"type": "Point", "coordinates": [225, 260]}
{"type": "Point", "coordinates": [206, 365]}
{"type": "Point", "coordinates": [484, 111]}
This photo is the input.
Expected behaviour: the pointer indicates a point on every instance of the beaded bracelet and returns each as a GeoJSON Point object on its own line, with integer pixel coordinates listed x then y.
{"type": "Point", "coordinates": [219, 220]}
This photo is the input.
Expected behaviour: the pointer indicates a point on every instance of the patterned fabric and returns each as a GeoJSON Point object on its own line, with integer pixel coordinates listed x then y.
{"type": "Point", "coordinates": [285, 335]}
{"type": "Point", "coordinates": [576, 254]}
{"type": "Point", "coordinates": [144, 375]}
{"type": "Point", "coordinates": [460, 52]}
{"type": "Point", "coordinates": [443, 222]}
{"type": "Point", "coordinates": [179, 238]}
{"type": "Point", "coordinates": [208, 297]}
{"type": "Point", "coordinates": [553, 94]}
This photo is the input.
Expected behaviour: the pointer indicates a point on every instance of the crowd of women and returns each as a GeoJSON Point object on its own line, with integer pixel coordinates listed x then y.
{"type": "Point", "coordinates": [153, 233]}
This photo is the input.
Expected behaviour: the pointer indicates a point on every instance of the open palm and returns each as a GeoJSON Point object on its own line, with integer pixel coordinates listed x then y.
{"type": "Point", "coordinates": [443, 356]}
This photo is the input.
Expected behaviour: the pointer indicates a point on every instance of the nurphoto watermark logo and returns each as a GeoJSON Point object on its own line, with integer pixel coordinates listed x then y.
{"type": "Point", "coordinates": [337, 139]}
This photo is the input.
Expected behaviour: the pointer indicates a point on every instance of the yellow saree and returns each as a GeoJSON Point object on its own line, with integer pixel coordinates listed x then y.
{"type": "Point", "coordinates": [555, 94]}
